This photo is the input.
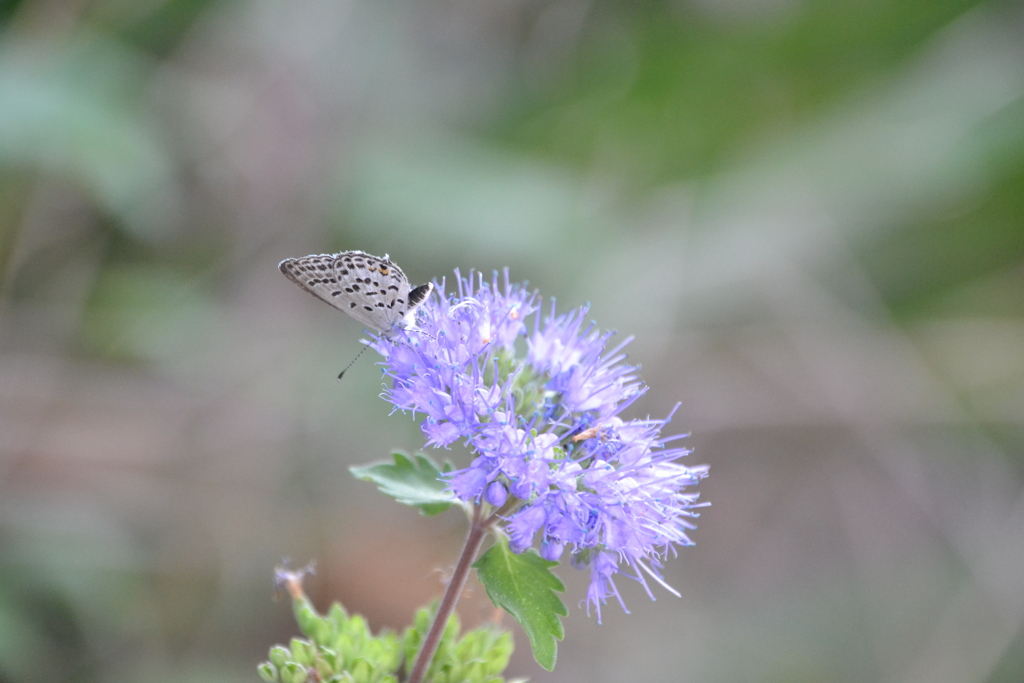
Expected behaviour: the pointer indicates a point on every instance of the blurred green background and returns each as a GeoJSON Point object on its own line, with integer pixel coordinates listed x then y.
{"type": "Point", "coordinates": [809, 212]}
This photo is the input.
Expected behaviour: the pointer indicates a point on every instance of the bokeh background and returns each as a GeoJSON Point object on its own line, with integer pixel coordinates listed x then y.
{"type": "Point", "coordinates": [810, 213]}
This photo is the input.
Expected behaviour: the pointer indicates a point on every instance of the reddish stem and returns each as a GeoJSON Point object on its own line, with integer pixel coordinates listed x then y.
{"type": "Point", "coordinates": [477, 533]}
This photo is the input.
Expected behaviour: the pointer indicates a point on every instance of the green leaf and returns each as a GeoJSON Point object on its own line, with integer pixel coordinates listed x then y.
{"type": "Point", "coordinates": [412, 481]}
{"type": "Point", "coordinates": [524, 586]}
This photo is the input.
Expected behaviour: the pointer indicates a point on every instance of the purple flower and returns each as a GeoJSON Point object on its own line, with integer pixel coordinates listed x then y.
{"type": "Point", "coordinates": [549, 446]}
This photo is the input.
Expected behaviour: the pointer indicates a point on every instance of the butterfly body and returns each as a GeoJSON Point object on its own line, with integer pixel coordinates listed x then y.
{"type": "Point", "coordinates": [371, 289]}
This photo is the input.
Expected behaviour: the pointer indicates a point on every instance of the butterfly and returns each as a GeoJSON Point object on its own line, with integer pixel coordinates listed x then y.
{"type": "Point", "coordinates": [371, 289]}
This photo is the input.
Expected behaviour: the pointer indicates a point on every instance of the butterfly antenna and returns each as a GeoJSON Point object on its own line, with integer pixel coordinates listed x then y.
{"type": "Point", "coordinates": [342, 373]}
{"type": "Point", "coordinates": [353, 362]}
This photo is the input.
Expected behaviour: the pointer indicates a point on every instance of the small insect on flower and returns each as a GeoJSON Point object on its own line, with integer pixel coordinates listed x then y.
{"type": "Point", "coordinates": [588, 434]}
{"type": "Point", "coordinates": [371, 289]}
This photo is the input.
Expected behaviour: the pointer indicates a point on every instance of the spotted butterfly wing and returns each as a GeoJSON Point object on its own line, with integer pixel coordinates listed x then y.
{"type": "Point", "coordinates": [371, 289]}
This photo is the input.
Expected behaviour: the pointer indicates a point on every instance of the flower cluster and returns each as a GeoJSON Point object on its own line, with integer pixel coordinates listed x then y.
{"type": "Point", "coordinates": [550, 450]}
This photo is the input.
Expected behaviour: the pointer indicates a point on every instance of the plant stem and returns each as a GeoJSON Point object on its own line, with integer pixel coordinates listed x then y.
{"type": "Point", "coordinates": [477, 532]}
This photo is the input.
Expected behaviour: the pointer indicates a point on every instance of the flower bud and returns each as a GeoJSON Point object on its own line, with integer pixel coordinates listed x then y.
{"type": "Point", "coordinates": [268, 672]}
{"type": "Point", "coordinates": [551, 550]}
{"type": "Point", "coordinates": [496, 494]}
{"type": "Point", "coordinates": [279, 656]}
{"type": "Point", "coordinates": [294, 673]}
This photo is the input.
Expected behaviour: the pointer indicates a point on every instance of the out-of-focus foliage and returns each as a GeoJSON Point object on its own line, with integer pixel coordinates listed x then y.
{"type": "Point", "coordinates": [809, 212]}
{"type": "Point", "coordinates": [341, 648]}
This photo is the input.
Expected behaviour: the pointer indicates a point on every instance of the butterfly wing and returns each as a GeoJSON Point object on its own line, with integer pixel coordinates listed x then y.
{"type": "Point", "coordinates": [371, 289]}
{"type": "Point", "coordinates": [374, 290]}
{"type": "Point", "coordinates": [315, 274]}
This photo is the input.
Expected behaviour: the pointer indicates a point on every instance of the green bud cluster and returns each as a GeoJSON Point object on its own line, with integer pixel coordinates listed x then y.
{"type": "Point", "coordinates": [339, 648]}
{"type": "Point", "coordinates": [480, 656]}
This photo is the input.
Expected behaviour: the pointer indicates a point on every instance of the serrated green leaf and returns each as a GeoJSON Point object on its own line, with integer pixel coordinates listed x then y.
{"type": "Point", "coordinates": [524, 586]}
{"type": "Point", "coordinates": [413, 481]}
